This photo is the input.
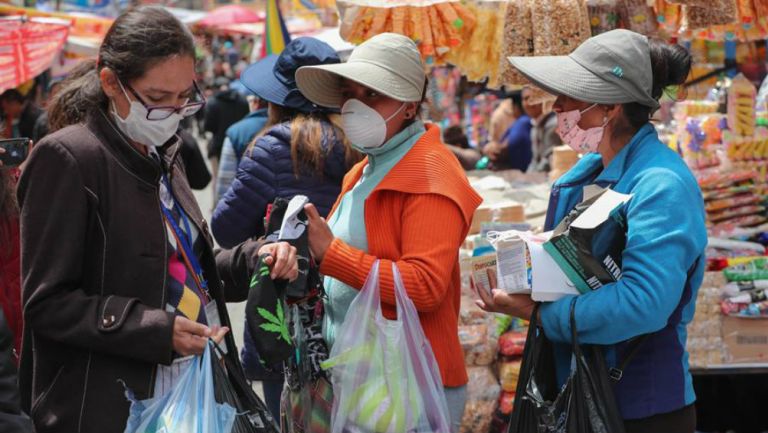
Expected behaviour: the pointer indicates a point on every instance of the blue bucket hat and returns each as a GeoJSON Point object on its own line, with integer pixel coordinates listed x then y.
{"type": "Point", "coordinates": [273, 78]}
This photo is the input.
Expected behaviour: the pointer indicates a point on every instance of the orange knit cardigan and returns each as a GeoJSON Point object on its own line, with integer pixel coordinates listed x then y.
{"type": "Point", "coordinates": [417, 217]}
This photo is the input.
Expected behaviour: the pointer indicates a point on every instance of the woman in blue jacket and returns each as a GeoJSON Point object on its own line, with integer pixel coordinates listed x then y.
{"type": "Point", "coordinates": [607, 90]}
{"type": "Point", "coordinates": [302, 152]}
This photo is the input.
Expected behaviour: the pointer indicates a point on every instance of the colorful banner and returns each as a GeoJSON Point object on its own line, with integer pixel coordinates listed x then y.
{"type": "Point", "coordinates": [276, 35]}
{"type": "Point", "coordinates": [27, 48]}
{"type": "Point", "coordinates": [81, 25]}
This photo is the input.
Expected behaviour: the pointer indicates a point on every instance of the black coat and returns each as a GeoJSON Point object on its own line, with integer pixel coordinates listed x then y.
{"type": "Point", "coordinates": [224, 110]}
{"type": "Point", "coordinates": [95, 270]}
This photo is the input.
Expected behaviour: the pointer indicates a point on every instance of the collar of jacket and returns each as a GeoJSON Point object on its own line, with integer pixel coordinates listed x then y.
{"type": "Point", "coordinates": [101, 125]}
{"type": "Point", "coordinates": [428, 168]}
{"type": "Point", "coordinates": [592, 164]}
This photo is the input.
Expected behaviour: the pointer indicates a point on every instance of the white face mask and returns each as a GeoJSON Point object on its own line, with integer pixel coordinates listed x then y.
{"type": "Point", "coordinates": [364, 127]}
{"type": "Point", "coordinates": [137, 127]}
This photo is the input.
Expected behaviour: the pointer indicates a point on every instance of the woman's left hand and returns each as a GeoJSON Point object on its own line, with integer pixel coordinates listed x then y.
{"type": "Point", "coordinates": [320, 234]}
{"type": "Point", "coordinates": [500, 302]}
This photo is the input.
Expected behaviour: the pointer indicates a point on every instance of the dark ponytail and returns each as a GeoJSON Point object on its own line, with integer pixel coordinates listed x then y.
{"type": "Point", "coordinates": [670, 65]}
{"type": "Point", "coordinates": [137, 40]}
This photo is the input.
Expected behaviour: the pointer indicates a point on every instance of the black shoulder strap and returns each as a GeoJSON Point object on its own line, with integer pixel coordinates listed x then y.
{"type": "Point", "coordinates": [616, 373]}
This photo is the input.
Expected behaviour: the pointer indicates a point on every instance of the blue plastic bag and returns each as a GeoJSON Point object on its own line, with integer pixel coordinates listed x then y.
{"type": "Point", "coordinates": [190, 407]}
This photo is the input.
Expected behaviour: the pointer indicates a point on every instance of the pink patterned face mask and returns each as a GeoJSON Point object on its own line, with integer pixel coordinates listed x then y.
{"type": "Point", "coordinates": [580, 140]}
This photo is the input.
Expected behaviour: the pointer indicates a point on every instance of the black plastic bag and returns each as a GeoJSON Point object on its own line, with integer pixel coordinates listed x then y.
{"type": "Point", "coordinates": [230, 386]}
{"type": "Point", "coordinates": [585, 404]}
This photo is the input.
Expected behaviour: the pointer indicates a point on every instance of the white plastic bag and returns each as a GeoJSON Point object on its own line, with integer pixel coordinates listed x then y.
{"type": "Point", "coordinates": [190, 407]}
{"type": "Point", "coordinates": [384, 374]}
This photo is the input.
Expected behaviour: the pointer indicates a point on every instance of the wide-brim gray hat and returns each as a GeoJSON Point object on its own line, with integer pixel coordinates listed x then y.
{"type": "Point", "coordinates": [388, 63]}
{"type": "Point", "coordinates": [611, 68]}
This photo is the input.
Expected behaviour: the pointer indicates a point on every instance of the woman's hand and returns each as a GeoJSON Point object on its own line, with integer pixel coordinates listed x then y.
{"type": "Point", "coordinates": [282, 260]}
{"type": "Point", "coordinates": [500, 302]}
{"type": "Point", "coordinates": [320, 234]}
{"type": "Point", "coordinates": [190, 338]}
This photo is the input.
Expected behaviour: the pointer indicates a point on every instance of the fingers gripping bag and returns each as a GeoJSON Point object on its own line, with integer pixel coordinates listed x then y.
{"type": "Point", "coordinates": [384, 374]}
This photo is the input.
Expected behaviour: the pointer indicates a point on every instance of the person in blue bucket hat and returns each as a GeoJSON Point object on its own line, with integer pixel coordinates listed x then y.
{"type": "Point", "coordinates": [301, 151]}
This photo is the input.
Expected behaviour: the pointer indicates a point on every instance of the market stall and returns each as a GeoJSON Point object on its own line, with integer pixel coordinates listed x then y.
{"type": "Point", "coordinates": [717, 123]}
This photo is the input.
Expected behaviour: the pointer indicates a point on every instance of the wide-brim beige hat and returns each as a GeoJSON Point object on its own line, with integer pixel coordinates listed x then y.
{"type": "Point", "coordinates": [388, 63]}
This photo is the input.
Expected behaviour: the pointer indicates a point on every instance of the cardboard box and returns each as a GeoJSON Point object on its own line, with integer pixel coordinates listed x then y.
{"type": "Point", "coordinates": [505, 212]}
{"type": "Point", "coordinates": [745, 339]}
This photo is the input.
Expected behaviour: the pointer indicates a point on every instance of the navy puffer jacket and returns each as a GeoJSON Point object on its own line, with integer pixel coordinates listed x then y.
{"type": "Point", "coordinates": [265, 173]}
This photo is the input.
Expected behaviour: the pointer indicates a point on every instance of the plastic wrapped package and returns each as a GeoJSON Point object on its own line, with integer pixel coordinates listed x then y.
{"type": "Point", "coordinates": [761, 9]}
{"type": "Point", "coordinates": [604, 15]}
{"type": "Point", "coordinates": [717, 12]}
{"type": "Point", "coordinates": [518, 40]}
{"type": "Point", "coordinates": [668, 16]}
{"type": "Point", "coordinates": [705, 344]}
{"type": "Point", "coordinates": [700, 3]}
{"type": "Point", "coordinates": [482, 398]}
{"type": "Point", "coordinates": [470, 313]}
{"type": "Point", "coordinates": [509, 373]}
{"type": "Point", "coordinates": [512, 343]}
{"type": "Point", "coordinates": [479, 346]}
{"type": "Point", "coordinates": [479, 56]}
{"type": "Point", "coordinates": [506, 402]}
{"type": "Point", "coordinates": [639, 17]}
{"type": "Point", "coordinates": [437, 27]}
{"type": "Point", "coordinates": [559, 26]}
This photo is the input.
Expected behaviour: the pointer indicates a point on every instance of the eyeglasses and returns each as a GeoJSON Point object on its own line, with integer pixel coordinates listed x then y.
{"type": "Point", "coordinates": [162, 112]}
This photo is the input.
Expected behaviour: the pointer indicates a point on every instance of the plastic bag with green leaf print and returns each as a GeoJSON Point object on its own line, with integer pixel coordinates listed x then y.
{"type": "Point", "coordinates": [266, 317]}
{"type": "Point", "coordinates": [384, 374]}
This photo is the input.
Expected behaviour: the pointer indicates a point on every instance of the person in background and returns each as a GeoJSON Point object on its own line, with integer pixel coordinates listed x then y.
{"type": "Point", "coordinates": [501, 119]}
{"type": "Point", "coordinates": [226, 108]}
{"type": "Point", "coordinates": [20, 113]}
{"type": "Point", "coordinates": [120, 279]}
{"type": "Point", "coordinates": [607, 90]}
{"type": "Point", "coordinates": [544, 137]}
{"type": "Point", "coordinates": [408, 203]}
{"type": "Point", "coordinates": [238, 137]}
{"type": "Point", "coordinates": [12, 419]}
{"type": "Point", "coordinates": [458, 143]}
{"type": "Point", "coordinates": [513, 151]}
{"type": "Point", "coordinates": [303, 152]}
{"type": "Point", "coordinates": [195, 168]}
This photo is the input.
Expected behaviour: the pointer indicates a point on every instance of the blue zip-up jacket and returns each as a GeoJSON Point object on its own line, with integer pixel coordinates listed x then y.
{"type": "Point", "coordinates": [241, 133]}
{"type": "Point", "coordinates": [265, 173]}
{"type": "Point", "coordinates": [666, 236]}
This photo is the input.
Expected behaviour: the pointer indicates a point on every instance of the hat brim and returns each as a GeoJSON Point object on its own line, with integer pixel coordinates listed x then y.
{"type": "Point", "coordinates": [260, 79]}
{"type": "Point", "coordinates": [561, 75]}
{"type": "Point", "coordinates": [322, 84]}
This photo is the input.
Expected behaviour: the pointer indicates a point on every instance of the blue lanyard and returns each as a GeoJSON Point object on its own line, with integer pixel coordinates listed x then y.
{"type": "Point", "coordinates": [184, 238]}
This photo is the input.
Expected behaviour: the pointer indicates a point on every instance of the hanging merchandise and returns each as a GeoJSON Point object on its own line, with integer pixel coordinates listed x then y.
{"type": "Point", "coordinates": [479, 58]}
{"type": "Point", "coordinates": [518, 40]}
{"type": "Point", "coordinates": [669, 16]}
{"type": "Point", "coordinates": [436, 27]}
{"type": "Point", "coordinates": [559, 26]}
{"type": "Point", "coordinates": [639, 17]}
{"type": "Point", "coordinates": [716, 12]}
{"type": "Point", "coordinates": [761, 9]}
{"type": "Point", "coordinates": [603, 15]}
{"type": "Point", "coordinates": [189, 407]}
{"type": "Point", "coordinates": [384, 373]}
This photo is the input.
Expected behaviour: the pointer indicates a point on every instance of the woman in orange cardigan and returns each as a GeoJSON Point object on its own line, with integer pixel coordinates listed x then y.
{"type": "Point", "coordinates": [407, 203]}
